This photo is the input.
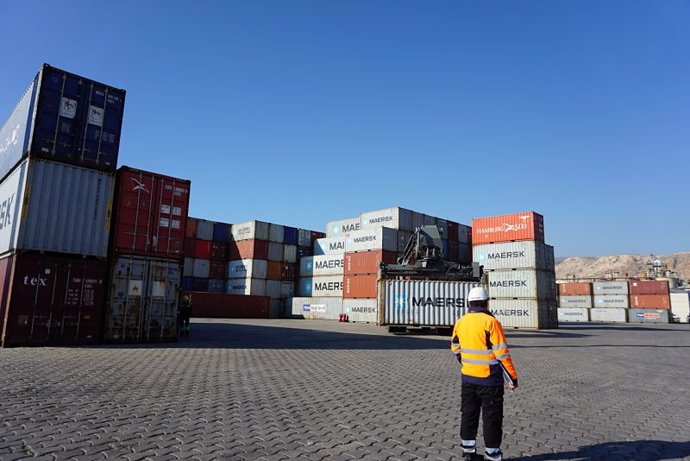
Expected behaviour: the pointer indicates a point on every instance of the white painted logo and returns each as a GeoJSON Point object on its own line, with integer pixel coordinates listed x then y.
{"type": "Point", "coordinates": [138, 185]}
{"type": "Point", "coordinates": [11, 140]}
{"type": "Point", "coordinates": [96, 116]}
{"type": "Point", "coordinates": [68, 108]}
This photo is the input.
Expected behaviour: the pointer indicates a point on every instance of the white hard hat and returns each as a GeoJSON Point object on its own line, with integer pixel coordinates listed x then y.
{"type": "Point", "coordinates": [477, 294]}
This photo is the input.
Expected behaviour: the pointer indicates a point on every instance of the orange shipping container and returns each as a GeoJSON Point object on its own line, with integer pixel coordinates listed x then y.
{"type": "Point", "coordinates": [248, 249]}
{"type": "Point", "coordinates": [507, 228]}
{"type": "Point", "coordinates": [367, 262]}
{"type": "Point", "coordinates": [650, 301]}
{"type": "Point", "coordinates": [190, 230]}
{"type": "Point", "coordinates": [274, 271]}
{"type": "Point", "coordinates": [574, 289]}
{"type": "Point", "coordinates": [649, 287]}
{"type": "Point", "coordinates": [360, 286]}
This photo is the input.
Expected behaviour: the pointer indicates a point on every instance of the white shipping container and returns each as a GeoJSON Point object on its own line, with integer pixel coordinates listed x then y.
{"type": "Point", "coordinates": [611, 301]}
{"type": "Point", "coordinates": [322, 265]}
{"type": "Point", "coordinates": [201, 268]}
{"type": "Point", "coordinates": [584, 301]}
{"type": "Point", "coordinates": [329, 246]}
{"type": "Point", "coordinates": [610, 288]}
{"type": "Point", "coordinates": [403, 239]}
{"type": "Point", "coordinates": [381, 238]}
{"type": "Point", "coordinates": [648, 316]}
{"type": "Point", "coordinates": [328, 285]}
{"type": "Point", "coordinates": [525, 313]}
{"type": "Point", "coordinates": [317, 308]}
{"type": "Point", "coordinates": [422, 302]}
{"type": "Point", "coordinates": [188, 267]}
{"type": "Point", "coordinates": [252, 230]}
{"type": "Point", "coordinates": [247, 268]}
{"type": "Point", "coordinates": [522, 283]}
{"type": "Point", "coordinates": [361, 310]}
{"type": "Point", "coordinates": [573, 314]}
{"type": "Point", "coordinates": [275, 251]}
{"type": "Point", "coordinates": [514, 255]}
{"type": "Point", "coordinates": [343, 227]}
{"type": "Point", "coordinates": [246, 286]}
{"type": "Point", "coordinates": [287, 289]}
{"type": "Point", "coordinates": [273, 289]}
{"type": "Point", "coordinates": [608, 314]}
{"type": "Point", "coordinates": [204, 230]}
{"type": "Point", "coordinates": [55, 207]}
{"type": "Point", "coordinates": [290, 253]}
{"type": "Point", "coordinates": [276, 233]}
{"type": "Point", "coordinates": [303, 237]}
{"type": "Point", "coordinates": [394, 218]}
{"type": "Point", "coordinates": [680, 305]}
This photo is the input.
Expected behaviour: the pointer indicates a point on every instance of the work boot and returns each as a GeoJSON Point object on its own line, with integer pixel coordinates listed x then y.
{"type": "Point", "coordinates": [493, 456]}
{"type": "Point", "coordinates": [469, 449]}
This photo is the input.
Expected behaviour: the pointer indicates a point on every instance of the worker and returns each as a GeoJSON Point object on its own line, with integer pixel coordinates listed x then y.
{"type": "Point", "coordinates": [480, 345]}
{"type": "Point", "coordinates": [185, 315]}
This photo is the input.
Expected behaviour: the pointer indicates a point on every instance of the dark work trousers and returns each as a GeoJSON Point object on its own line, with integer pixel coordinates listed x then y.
{"type": "Point", "coordinates": [488, 399]}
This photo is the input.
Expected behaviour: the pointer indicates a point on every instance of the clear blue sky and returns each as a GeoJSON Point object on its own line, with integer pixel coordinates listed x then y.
{"type": "Point", "coordinates": [300, 112]}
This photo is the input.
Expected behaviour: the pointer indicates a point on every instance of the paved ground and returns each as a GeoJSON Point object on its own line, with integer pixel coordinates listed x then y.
{"type": "Point", "coordinates": [298, 389]}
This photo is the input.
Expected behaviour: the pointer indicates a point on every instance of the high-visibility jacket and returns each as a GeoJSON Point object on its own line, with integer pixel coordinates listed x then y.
{"type": "Point", "coordinates": [480, 344]}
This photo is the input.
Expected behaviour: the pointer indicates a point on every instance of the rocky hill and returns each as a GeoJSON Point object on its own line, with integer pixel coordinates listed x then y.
{"type": "Point", "coordinates": [630, 265]}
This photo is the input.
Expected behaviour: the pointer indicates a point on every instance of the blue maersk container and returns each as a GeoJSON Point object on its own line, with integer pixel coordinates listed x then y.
{"type": "Point", "coordinates": [64, 118]}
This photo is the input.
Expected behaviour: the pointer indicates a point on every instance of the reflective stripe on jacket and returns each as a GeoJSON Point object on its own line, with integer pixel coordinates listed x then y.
{"type": "Point", "coordinates": [480, 343]}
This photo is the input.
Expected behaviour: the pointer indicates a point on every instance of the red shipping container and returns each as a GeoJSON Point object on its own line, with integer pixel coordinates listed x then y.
{"type": "Point", "coordinates": [453, 231]}
{"type": "Point", "coordinates": [575, 289]}
{"type": "Point", "coordinates": [360, 286]}
{"type": "Point", "coordinates": [248, 249]}
{"type": "Point", "coordinates": [202, 249]}
{"type": "Point", "coordinates": [52, 300]}
{"type": "Point", "coordinates": [289, 272]}
{"type": "Point", "coordinates": [367, 262]}
{"type": "Point", "coordinates": [189, 248]}
{"type": "Point", "coordinates": [507, 228]}
{"type": "Point", "coordinates": [650, 301]}
{"type": "Point", "coordinates": [150, 215]}
{"type": "Point", "coordinates": [219, 251]}
{"type": "Point", "coordinates": [224, 306]}
{"type": "Point", "coordinates": [648, 287]}
{"type": "Point", "coordinates": [217, 270]}
{"type": "Point", "coordinates": [316, 235]}
{"type": "Point", "coordinates": [192, 224]}
{"type": "Point", "coordinates": [274, 270]}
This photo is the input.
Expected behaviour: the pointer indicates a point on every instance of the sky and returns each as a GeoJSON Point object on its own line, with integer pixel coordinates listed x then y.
{"type": "Point", "coordinates": [303, 112]}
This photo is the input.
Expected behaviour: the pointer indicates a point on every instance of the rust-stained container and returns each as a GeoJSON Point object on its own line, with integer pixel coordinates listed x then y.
{"type": "Point", "coordinates": [507, 228]}
{"type": "Point", "coordinates": [648, 287]}
{"type": "Point", "coordinates": [360, 286]}
{"type": "Point", "coordinates": [202, 249]}
{"type": "Point", "coordinates": [225, 306]}
{"type": "Point", "coordinates": [150, 214]}
{"type": "Point", "coordinates": [275, 270]}
{"type": "Point", "coordinates": [248, 249]}
{"type": "Point", "coordinates": [575, 289]}
{"type": "Point", "coordinates": [367, 262]}
{"type": "Point", "coordinates": [192, 224]}
{"type": "Point", "coordinates": [51, 300]}
{"type": "Point", "coordinates": [288, 272]}
{"type": "Point", "coordinates": [650, 301]}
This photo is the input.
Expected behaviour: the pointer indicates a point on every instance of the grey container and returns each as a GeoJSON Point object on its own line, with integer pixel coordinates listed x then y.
{"type": "Point", "coordinates": [251, 230]}
{"type": "Point", "coordinates": [273, 289]}
{"type": "Point", "coordinates": [303, 237]}
{"type": "Point", "coordinates": [611, 301]}
{"type": "Point", "coordinates": [381, 238]}
{"type": "Point", "coordinates": [290, 253]}
{"type": "Point", "coordinates": [276, 233]}
{"type": "Point", "coordinates": [204, 230]}
{"type": "Point", "coordinates": [573, 314]}
{"type": "Point", "coordinates": [361, 310]}
{"type": "Point", "coordinates": [525, 313]}
{"type": "Point", "coordinates": [317, 308]}
{"type": "Point", "coordinates": [608, 314]}
{"type": "Point", "coordinates": [394, 218]}
{"type": "Point", "coordinates": [342, 227]}
{"type": "Point", "coordinates": [188, 268]}
{"type": "Point", "coordinates": [201, 268]}
{"type": "Point", "coordinates": [648, 316]}
{"type": "Point", "coordinates": [610, 288]}
{"type": "Point", "coordinates": [582, 301]}
{"type": "Point", "coordinates": [514, 255]}
{"type": "Point", "coordinates": [275, 252]}
{"type": "Point", "coordinates": [522, 283]}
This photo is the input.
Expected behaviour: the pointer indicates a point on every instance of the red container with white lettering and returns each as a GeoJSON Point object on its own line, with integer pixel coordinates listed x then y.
{"type": "Point", "coordinates": [360, 286]}
{"type": "Point", "coordinates": [150, 214]}
{"type": "Point", "coordinates": [367, 262]}
{"type": "Point", "coordinates": [508, 228]}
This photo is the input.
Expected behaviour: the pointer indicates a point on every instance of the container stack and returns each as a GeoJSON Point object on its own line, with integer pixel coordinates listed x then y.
{"type": "Point", "coordinates": [520, 269]}
{"type": "Point", "coordinates": [206, 256]}
{"type": "Point", "coordinates": [574, 301]}
{"type": "Point", "coordinates": [146, 255]}
{"type": "Point", "coordinates": [610, 301]}
{"type": "Point", "coordinates": [320, 287]}
{"type": "Point", "coordinates": [650, 301]}
{"type": "Point", "coordinates": [58, 152]}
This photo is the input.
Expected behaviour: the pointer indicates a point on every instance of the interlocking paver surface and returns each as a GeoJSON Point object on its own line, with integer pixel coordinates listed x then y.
{"type": "Point", "coordinates": [311, 390]}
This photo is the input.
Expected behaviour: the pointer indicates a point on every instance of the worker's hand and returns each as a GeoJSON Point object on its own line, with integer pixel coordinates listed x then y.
{"type": "Point", "coordinates": [512, 387]}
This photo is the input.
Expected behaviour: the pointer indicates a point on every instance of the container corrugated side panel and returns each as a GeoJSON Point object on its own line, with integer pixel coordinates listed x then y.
{"type": "Point", "coordinates": [522, 313]}
{"type": "Point", "coordinates": [422, 302]}
{"type": "Point", "coordinates": [290, 253]}
{"type": "Point", "coordinates": [318, 308]}
{"type": "Point", "coordinates": [514, 255]}
{"type": "Point", "coordinates": [608, 314]}
{"type": "Point", "coordinates": [304, 238]}
{"type": "Point", "coordinates": [275, 252]}
{"type": "Point", "coordinates": [67, 209]}
{"type": "Point", "coordinates": [332, 264]}
{"type": "Point", "coordinates": [582, 301]}
{"type": "Point", "coordinates": [518, 226]}
{"type": "Point", "coordinates": [680, 305]}
{"type": "Point", "coordinates": [251, 230]}
{"type": "Point", "coordinates": [12, 191]}
{"type": "Point", "coordinates": [328, 246]}
{"type": "Point", "coordinates": [611, 301]}
{"type": "Point", "coordinates": [204, 230]}
{"type": "Point", "coordinates": [610, 288]}
{"type": "Point", "coordinates": [394, 218]}
{"type": "Point", "coordinates": [573, 314]}
{"type": "Point", "coordinates": [361, 310]}
{"type": "Point", "coordinates": [575, 289]}
{"type": "Point", "coordinates": [648, 316]}
{"type": "Point", "coordinates": [381, 238]}
{"type": "Point", "coordinates": [328, 285]}
{"type": "Point", "coordinates": [17, 130]}
{"type": "Point", "coordinates": [522, 283]}
{"type": "Point", "coordinates": [342, 227]}
{"type": "Point", "coordinates": [276, 233]}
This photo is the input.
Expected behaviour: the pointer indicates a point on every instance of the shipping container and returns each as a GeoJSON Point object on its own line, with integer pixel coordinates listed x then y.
{"type": "Point", "coordinates": [575, 289]}
{"type": "Point", "coordinates": [465, 234]}
{"type": "Point", "coordinates": [290, 236]}
{"type": "Point", "coordinates": [611, 301]}
{"type": "Point", "coordinates": [189, 245]}
{"type": "Point", "coordinates": [188, 267]}
{"type": "Point", "coordinates": [218, 270]}
{"type": "Point", "coordinates": [252, 230]}
{"type": "Point", "coordinates": [202, 249]}
{"type": "Point", "coordinates": [187, 283]}
{"type": "Point", "coordinates": [394, 218]}
{"type": "Point", "coordinates": [275, 270]}
{"type": "Point", "coordinates": [331, 264]}
{"type": "Point", "coordinates": [65, 118]}
{"type": "Point", "coordinates": [522, 283]}
{"type": "Point", "coordinates": [304, 286]}
{"type": "Point", "coordinates": [216, 285]}
{"type": "Point", "coordinates": [381, 238]}
{"type": "Point", "coordinates": [648, 287]}
{"type": "Point", "coordinates": [199, 284]}
{"type": "Point", "coordinates": [204, 229]}
{"type": "Point", "coordinates": [680, 305]}
{"type": "Point", "coordinates": [303, 252]}
{"type": "Point", "coordinates": [429, 220]}
{"type": "Point", "coordinates": [327, 285]}
{"type": "Point", "coordinates": [225, 306]}
{"type": "Point", "coordinates": [506, 228]}
{"type": "Point", "coordinates": [192, 224]}
{"type": "Point", "coordinates": [276, 233]}
{"type": "Point", "coordinates": [583, 301]}
{"type": "Point", "coordinates": [367, 262]}
{"type": "Point", "coordinates": [329, 246]}
{"type": "Point", "coordinates": [201, 268]}
{"type": "Point", "coordinates": [288, 272]}
{"type": "Point", "coordinates": [650, 301]}
{"type": "Point", "coordinates": [525, 313]}
{"type": "Point", "coordinates": [610, 288]}
{"type": "Point", "coordinates": [51, 300]}
{"type": "Point", "coordinates": [248, 268]}
{"type": "Point", "coordinates": [608, 314]}
{"type": "Point", "coordinates": [304, 238]}
{"type": "Point", "coordinates": [246, 286]}
{"type": "Point", "coordinates": [289, 253]}
{"type": "Point", "coordinates": [54, 207]}
{"type": "Point", "coordinates": [417, 220]}
{"type": "Point", "coordinates": [248, 249]}
{"type": "Point", "coordinates": [465, 253]}
{"type": "Point", "coordinates": [442, 226]}
{"type": "Point", "coordinates": [514, 255]}
{"type": "Point", "coordinates": [453, 254]}
{"type": "Point", "coordinates": [453, 228]}
{"type": "Point", "coordinates": [273, 288]}
{"type": "Point", "coordinates": [219, 251]}
{"type": "Point", "coordinates": [221, 232]}
{"type": "Point", "coordinates": [403, 239]}
{"type": "Point", "coordinates": [422, 302]}
{"type": "Point", "coordinates": [150, 214]}
{"type": "Point", "coordinates": [360, 286]}
{"type": "Point", "coordinates": [275, 251]}
{"type": "Point", "coordinates": [317, 308]}
{"type": "Point", "coordinates": [573, 314]}
{"type": "Point", "coordinates": [287, 289]}
{"type": "Point", "coordinates": [648, 316]}
{"type": "Point", "coordinates": [142, 300]}
{"type": "Point", "coordinates": [342, 227]}
{"type": "Point", "coordinates": [361, 310]}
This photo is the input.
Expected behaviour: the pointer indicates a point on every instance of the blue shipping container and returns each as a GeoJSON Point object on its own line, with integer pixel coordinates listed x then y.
{"type": "Point", "coordinates": [187, 284]}
{"type": "Point", "coordinates": [221, 232]}
{"type": "Point", "coordinates": [290, 235]}
{"type": "Point", "coordinates": [64, 118]}
{"type": "Point", "coordinates": [199, 284]}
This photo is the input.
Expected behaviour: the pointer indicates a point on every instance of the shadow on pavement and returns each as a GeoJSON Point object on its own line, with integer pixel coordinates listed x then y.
{"type": "Point", "coordinates": [638, 450]}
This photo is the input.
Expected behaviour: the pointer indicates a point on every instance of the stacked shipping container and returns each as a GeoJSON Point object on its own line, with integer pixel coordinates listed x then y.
{"type": "Point", "coordinates": [206, 256]}
{"type": "Point", "coordinates": [58, 151]}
